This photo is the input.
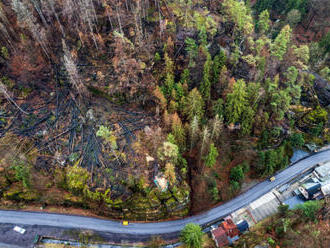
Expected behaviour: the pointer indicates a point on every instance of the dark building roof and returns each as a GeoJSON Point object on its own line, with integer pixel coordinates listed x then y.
{"type": "Point", "coordinates": [220, 237]}
{"type": "Point", "coordinates": [242, 226]}
{"type": "Point", "coordinates": [312, 189]}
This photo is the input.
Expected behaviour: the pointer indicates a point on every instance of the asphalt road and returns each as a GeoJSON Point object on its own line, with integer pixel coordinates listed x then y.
{"type": "Point", "coordinates": [166, 227]}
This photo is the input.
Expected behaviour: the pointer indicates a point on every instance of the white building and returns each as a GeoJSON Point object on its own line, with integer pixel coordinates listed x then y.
{"type": "Point", "coordinates": [323, 170]}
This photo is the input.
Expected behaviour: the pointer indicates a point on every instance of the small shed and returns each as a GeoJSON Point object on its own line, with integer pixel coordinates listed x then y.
{"type": "Point", "coordinates": [325, 189]}
{"type": "Point", "coordinates": [303, 192]}
{"type": "Point", "coordinates": [161, 182]}
{"type": "Point", "coordinates": [242, 226]}
{"type": "Point", "coordinates": [219, 236]}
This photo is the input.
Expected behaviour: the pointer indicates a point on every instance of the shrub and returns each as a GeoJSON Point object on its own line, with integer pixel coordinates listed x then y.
{"type": "Point", "coordinates": [108, 135]}
{"type": "Point", "coordinates": [316, 131]}
{"type": "Point", "coordinates": [157, 57]}
{"type": "Point", "coordinates": [22, 172]}
{"type": "Point", "coordinates": [212, 188]}
{"type": "Point", "coordinates": [309, 209]}
{"type": "Point", "coordinates": [4, 52]}
{"type": "Point", "coordinates": [271, 241]}
{"type": "Point", "coordinates": [214, 193]}
{"type": "Point", "coordinates": [316, 116]}
{"type": "Point", "coordinates": [293, 17]}
{"type": "Point", "coordinates": [325, 42]}
{"type": "Point", "coordinates": [283, 209]}
{"type": "Point", "coordinates": [297, 140]}
{"type": "Point", "coordinates": [245, 167]}
{"type": "Point", "coordinates": [77, 178]}
{"type": "Point", "coordinates": [60, 178]}
{"type": "Point", "coordinates": [234, 185]}
{"type": "Point", "coordinates": [237, 174]}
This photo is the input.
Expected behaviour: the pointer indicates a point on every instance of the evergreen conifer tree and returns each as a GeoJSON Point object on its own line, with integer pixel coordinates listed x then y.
{"type": "Point", "coordinates": [263, 22]}
{"type": "Point", "coordinates": [280, 45]}
{"type": "Point", "coordinates": [236, 102]}
{"type": "Point", "coordinates": [205, 87]}
{"type": "Point", "coordinates": [211, 158]}
{"type": "Point", "coordinates": [194, 105]}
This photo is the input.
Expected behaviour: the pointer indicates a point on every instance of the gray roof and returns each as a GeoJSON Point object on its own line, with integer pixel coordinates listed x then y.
{"type": "Point", "coordinates": [323, 170]}
{"type": "Point", "coordinates": [326, 189]}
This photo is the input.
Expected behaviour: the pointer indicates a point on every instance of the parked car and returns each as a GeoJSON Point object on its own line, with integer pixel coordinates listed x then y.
{"type": "Point", "coordinates": [272, 179]}
{"type": "Point", "coordinates": [19, 230]}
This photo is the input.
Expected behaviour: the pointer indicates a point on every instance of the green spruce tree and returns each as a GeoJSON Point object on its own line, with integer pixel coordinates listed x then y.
{"type": "Point", "coordinates": [263, 22]}
{"type": "Point", "coordinates": [211, 158]}
{"type": "Point", "coordinates": [194, 105]}
{"type": "Point", "coordinates": [280, 45]}
{"type": "Point", "coordinates": [236, 102]}
{"type": "Point", "coordinates": [205, 87]}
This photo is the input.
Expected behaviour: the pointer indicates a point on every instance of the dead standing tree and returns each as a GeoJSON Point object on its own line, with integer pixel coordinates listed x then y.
{"type": "Point", "coordinates": [27, 20]}
{"type": "Point", "coordinates": [72, 70]}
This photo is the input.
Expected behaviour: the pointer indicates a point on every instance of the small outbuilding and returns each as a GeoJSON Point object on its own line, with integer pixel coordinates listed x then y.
{"type": "Point", "coordinates": [242, 226]}
{"type": "Point", "coordinates": [161, 182]}
{"type": "Point", "coordinates": [220, 237]}
{"type": "Point", "coordinates": [325, 189]}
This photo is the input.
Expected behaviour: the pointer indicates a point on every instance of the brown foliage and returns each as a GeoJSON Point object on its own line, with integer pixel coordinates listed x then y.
{"type": "Point", "coordinates": [126, 67]}
{"type": "Point", "coordinates": [229, 88]}
{"type": "Point", "coordinates": [160, 96]}
{"type": "Point", "coordinates": [27, 67]}
{"type": "Point", "coordinates": [176, 121]}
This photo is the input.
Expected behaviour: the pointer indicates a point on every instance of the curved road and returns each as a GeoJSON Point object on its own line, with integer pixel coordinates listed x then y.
{"type": "Point", "coordinates": [166, 227]}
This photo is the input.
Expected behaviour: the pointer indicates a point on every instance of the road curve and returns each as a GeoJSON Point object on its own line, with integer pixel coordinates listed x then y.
{"type": "Point", "coordinates": [166, 227]}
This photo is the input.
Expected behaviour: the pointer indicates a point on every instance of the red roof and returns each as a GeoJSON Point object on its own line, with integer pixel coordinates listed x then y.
{"type": "Point", "coordinates": [230, 228]}
{"type": "Point", "coordinates": [220, 237]}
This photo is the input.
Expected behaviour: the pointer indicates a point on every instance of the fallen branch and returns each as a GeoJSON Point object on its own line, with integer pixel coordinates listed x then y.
{"type": "Point", "coordinates": [4, 91]}
{"type": "Point", "coordinates": [45, 145]}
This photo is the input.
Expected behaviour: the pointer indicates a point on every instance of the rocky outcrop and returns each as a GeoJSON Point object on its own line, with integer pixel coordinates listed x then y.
{"type": "Point", "coordinates": [322, 88]}
{"type": "Point", "coordinates": [152, 206]}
